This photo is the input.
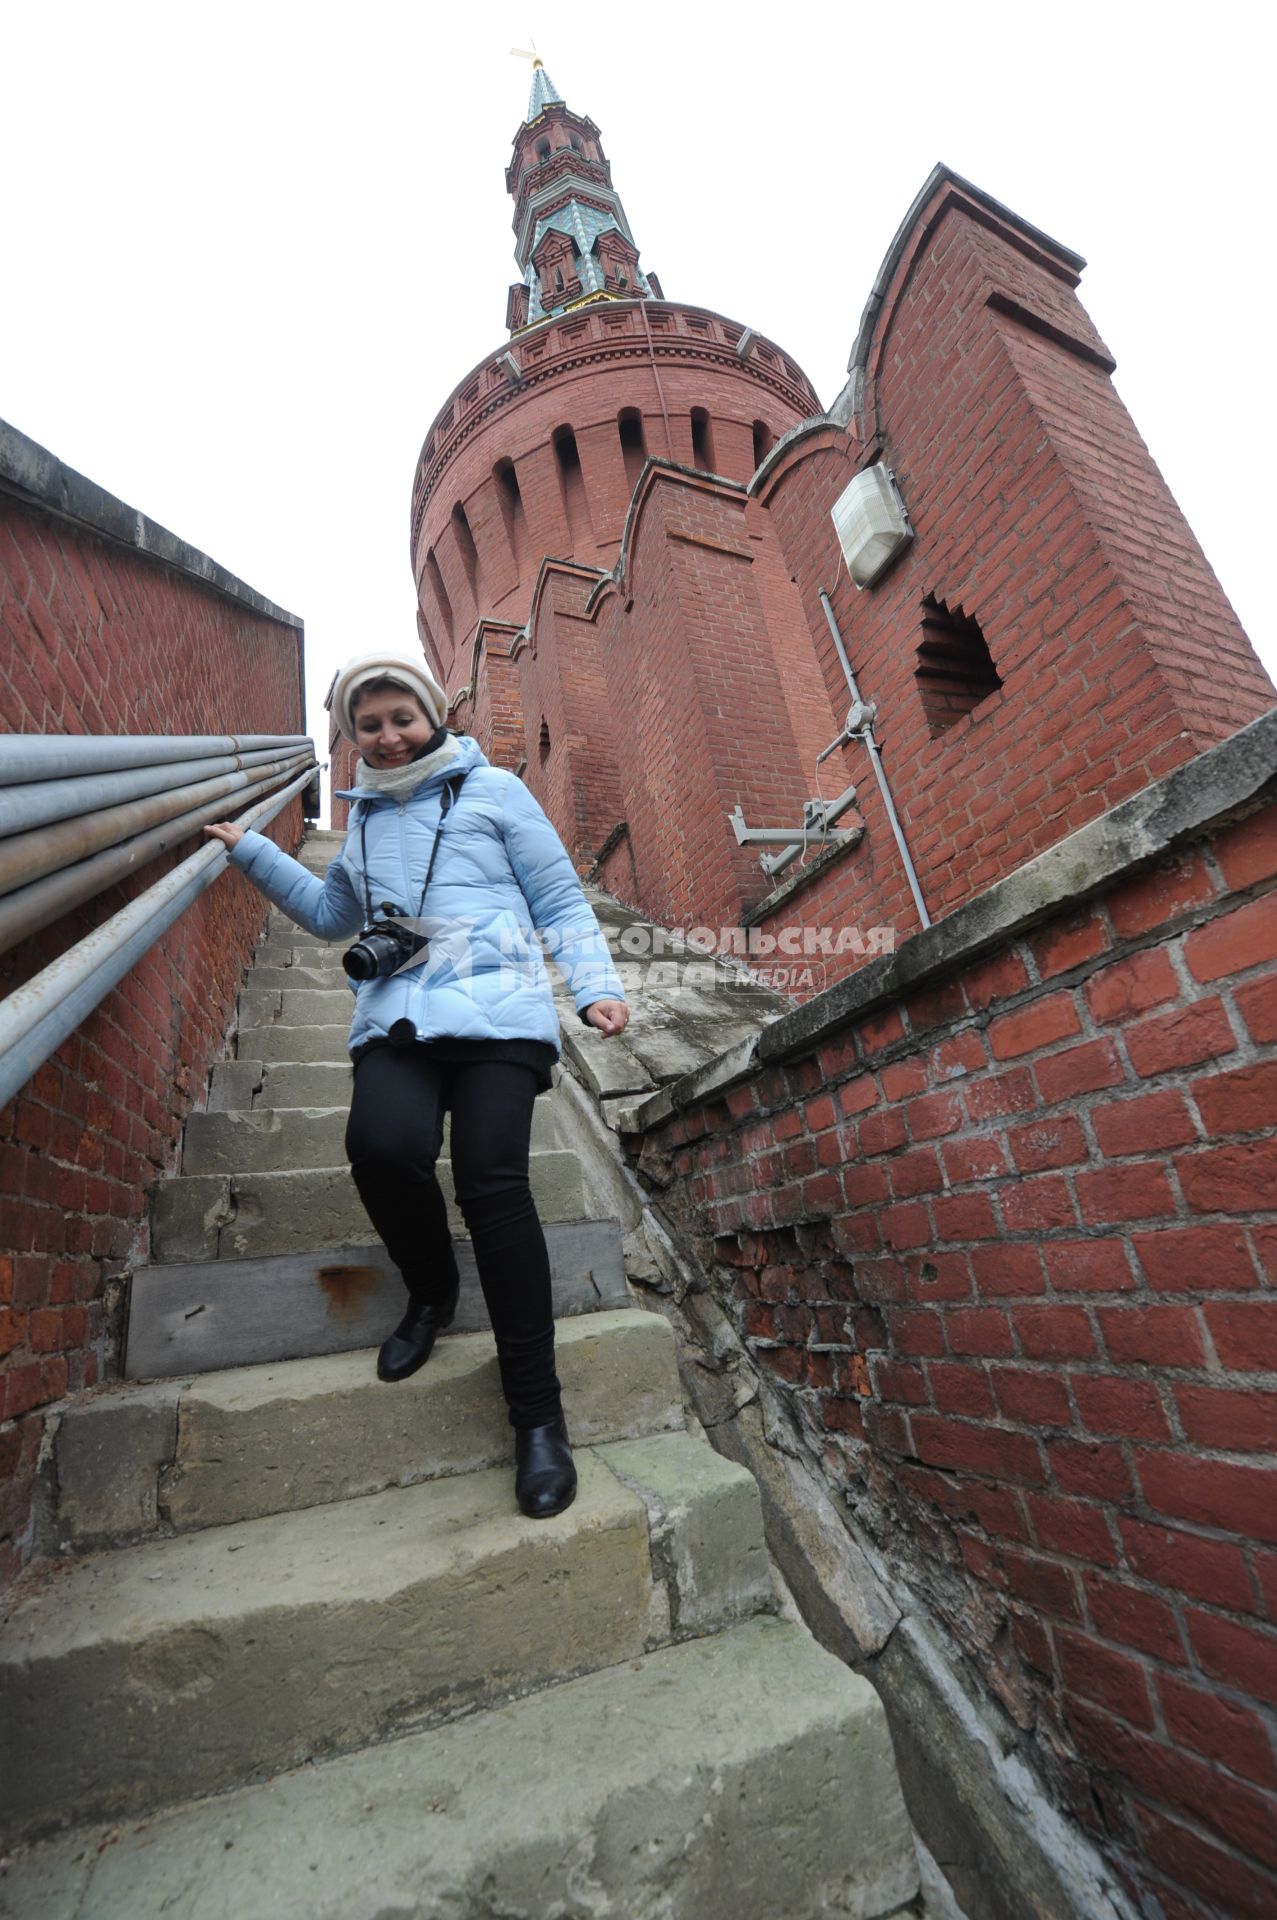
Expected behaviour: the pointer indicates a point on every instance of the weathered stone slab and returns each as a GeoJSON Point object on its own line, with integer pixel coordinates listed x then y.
{"type": "Point", "coordinates": [239, 1650]}
{"type": "Point", "coordinates": [706, 1525]}
{"type": "Point", "coordinates": [209, 1216]}
{"type": "Point", "coordinates": [273, 1137]}
{"type": "Point", "coordinates": [193, 1317]}
{"type": "Point", "coordinates": [294, 1006]}
{"type": "Point", "coordinates": [257, 1440]}
{"type": "Point", "coordinates": [737, 1776]}
{"type": "Point", "coordinates": [606, 1066]}
{"type": "Point", "coordinates": [324, 1043]}
{"type": "Point", "coordinates": [109, 1453]}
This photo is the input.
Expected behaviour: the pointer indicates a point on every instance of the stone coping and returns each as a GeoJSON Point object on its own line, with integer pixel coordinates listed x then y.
{"type": "Point", "coordinates": [1225, 780]}
{"type": "Point", "coordinates": [36, 477]}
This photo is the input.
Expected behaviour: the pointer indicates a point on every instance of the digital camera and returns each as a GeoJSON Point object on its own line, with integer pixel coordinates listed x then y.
{"type": "Point", "coordinates": [383, 947]}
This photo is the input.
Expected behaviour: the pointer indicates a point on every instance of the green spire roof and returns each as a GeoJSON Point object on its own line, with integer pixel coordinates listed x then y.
{"type": "Point", "coordinates": [544, 93]}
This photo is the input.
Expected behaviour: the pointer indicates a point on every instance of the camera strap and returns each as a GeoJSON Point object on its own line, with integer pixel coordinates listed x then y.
{"type": "Point", "coordinates": [451, 789]}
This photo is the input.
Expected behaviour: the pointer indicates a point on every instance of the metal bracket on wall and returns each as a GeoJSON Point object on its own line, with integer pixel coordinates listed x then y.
{"type": "Point", "coordinates": [817, 829]}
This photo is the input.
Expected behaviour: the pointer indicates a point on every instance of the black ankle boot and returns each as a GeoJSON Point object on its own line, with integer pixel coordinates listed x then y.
{"type": "Point", "coordinates": [544, 1476]}
{"type": "Point", "coordinates": [410, 1345]}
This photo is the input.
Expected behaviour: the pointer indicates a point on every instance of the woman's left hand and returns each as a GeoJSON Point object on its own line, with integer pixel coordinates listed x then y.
{"type": "Point", "coordinates": [609, 1016]}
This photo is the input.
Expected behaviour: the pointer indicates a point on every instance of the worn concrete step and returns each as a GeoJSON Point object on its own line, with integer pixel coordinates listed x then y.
{"type": "Point", "coordinates": [229, 1216]}
{"type": "Point", "coordinates": [243, 1084]}
{"type": "Point", "coordinates": [294, 1006]}
{"type": "Point", "coordinates": [326, 975]}
{"type": "Point", "coordinates": [317, 1043]}
{"type": "Point", "coordinates": [197, 1316]}
{"type": "Point", "coordinates": [302, 950]}
{"type": "Point", "coordinates": [237, 1085]}
{"type": "Point", "coordinates": [269, 1139]}
{"type": "Point", "coordinates": [217, 1656]}
{"type": "Point", "coordinates": [137, 1460]}
{"type": "Point", "coordinates": [746, 1776]}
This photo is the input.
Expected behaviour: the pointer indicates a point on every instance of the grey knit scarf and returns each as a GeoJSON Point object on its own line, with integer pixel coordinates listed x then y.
{"type": "Point", "coordinates": [401, 781]}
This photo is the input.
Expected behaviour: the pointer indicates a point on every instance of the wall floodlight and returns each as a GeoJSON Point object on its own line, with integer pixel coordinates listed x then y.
{"type": "Point", "coordinates": [871, 523]}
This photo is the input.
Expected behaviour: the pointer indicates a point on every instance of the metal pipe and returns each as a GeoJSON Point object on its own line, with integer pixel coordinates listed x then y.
{"type": "Point", "coordinates": [656, 375]}
{"type": "Point", "coordinates": [29, 909]}
{"type": "Point", "coordinates": [41, 802]}
{"type": "Point", "coordinates": [37, 1018]}
{"type": "Point", "coordinates": [29, 856]}
{"type": "Point", "coordinates": [866, 733]}
{"type": "Point", "coordinates": [57, 756]}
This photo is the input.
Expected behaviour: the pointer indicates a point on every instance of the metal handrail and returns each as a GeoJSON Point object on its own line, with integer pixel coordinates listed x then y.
{"type": "Point", "coordinates": [37, 1017]}
{"type": "Point", "coordinates": [29, 909]}
{"type": "Point", "coordinates": [37, 803]}
{"type": "Point", "coordinates": [25, 857]}
{"type": "Point", "coordinates": [59, 756]}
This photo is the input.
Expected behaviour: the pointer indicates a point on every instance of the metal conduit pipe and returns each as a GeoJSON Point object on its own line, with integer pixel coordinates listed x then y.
{"type": "Point", "coordinates": [40, 802]}
{"type": "Point", "coordinates": [57, 757]}
{"type": "Point", "coordinates": [865, 732]}
{"type": "Point", "coordinates": [29, 909]}
{"type": "Point", "coordinates": [37, 1018]}
{"type": "Point", "coordinates": [29, 856]}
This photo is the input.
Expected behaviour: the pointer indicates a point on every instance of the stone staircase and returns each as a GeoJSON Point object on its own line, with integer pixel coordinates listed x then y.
{"type": "Point", "coordinates": [294, 1651]}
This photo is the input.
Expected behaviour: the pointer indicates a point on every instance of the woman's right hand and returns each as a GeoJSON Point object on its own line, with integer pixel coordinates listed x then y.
{"type": "Point", "coordinates": [225, 831]}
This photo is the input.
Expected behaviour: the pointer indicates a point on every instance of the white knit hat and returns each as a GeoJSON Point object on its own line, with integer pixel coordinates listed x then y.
{"type": "Point", "coordinates": [412, 673]}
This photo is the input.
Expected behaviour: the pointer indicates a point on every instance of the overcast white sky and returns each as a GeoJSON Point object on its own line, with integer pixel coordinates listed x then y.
{"type": "Point", "coordinates": [249, 250]}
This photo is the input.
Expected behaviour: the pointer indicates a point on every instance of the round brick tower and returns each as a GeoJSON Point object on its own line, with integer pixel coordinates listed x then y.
{"type": "Point", "coordinates": [536, 454]}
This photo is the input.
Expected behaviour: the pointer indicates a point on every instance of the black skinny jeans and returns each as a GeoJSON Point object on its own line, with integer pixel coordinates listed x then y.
{"type": "Point", "coordinates": [393, 1139]}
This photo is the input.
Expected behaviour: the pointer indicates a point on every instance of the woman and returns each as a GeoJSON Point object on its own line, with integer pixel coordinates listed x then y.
{"type": "Point", "coordinates": [461, 850]}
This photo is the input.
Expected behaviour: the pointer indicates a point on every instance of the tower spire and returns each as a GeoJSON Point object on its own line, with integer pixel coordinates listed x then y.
{"type": "Point", "coordinates": [544, 92]}
{"type": "Point", "coordinates": [572, 240]}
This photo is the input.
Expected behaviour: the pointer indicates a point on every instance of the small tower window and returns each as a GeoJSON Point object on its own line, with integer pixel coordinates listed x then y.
{"type": "Point", "coordinates": [633, 447]}
{"type": "Point", "coordinates": [702, 440]}
{"type": "Point", "coordinates": [574, 143]}
{"type": "Point", "coordinates": [762, 441]}
{"type": "Point", "coordinates": [543, 743]}
{"type": "Point", "coordinates": [465, 545]}
{"type": "Point", "coordinates": [511, 503]}
{"type": "Point", "coordinates": [558, 279]}
{"type": "Point", "coordinates": [955, 670]}
{"type": "Point", "coordinates": [543, 149]}
{"type": "Point", "coordinates": [435, 577]}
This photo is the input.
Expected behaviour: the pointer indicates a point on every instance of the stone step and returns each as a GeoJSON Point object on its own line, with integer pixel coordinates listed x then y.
{"type": "Point", "coordinates": [327, 975]}
{"type": "Point", "coordinates": [214, 1657]}
{"type": "Point", "coordinates": [229, 1216]}
{"type": "Point", "coordinates": [234, 1445]}
{"type": "Point", "coordinates": [200, 1315]}
{"type": "Point", "coordinates": [303, 950]}
{"type": "Point", "coordinates": [317, 1043]}
{"type": "Point", "coordinates": [746, 1776]}
{"type": "Point", "coordinates": [273, 1139]}
{"type": "Point", "coordinates": [294, 1006]}
{"type": "Point", "coordinates": [238, 1085]}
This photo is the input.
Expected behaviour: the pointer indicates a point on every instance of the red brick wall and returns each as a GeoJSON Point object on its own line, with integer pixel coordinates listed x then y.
{"type": "Point", "coordinates": [97, 639]}
{"type": "Point", "coordinates": [1011, 1244]}
{"type": "Point", "coordinates": [1038, 510]}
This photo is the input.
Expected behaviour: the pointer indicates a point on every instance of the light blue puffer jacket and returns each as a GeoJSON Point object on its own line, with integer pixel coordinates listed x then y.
{"type": "Point", "coordinates": [502, 876]}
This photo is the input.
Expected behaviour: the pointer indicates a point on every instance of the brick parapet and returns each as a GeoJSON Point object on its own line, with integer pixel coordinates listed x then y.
{"type": "Point", "coordinates": [1006, 1234]}
{"type": "Point", "coordinates": [106, 635]}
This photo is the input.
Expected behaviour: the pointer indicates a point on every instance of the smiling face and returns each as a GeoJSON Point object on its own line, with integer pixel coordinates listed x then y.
{"type": "Point", "coordinates": [391, 726]}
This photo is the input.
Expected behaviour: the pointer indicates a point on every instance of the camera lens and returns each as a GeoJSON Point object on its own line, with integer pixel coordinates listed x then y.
{"type": "Point", "coordinates": [359, 962]}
